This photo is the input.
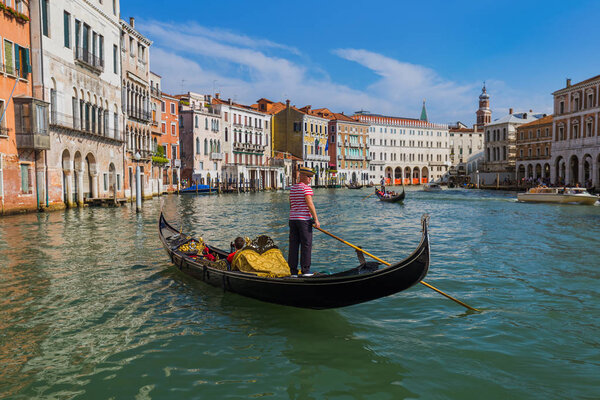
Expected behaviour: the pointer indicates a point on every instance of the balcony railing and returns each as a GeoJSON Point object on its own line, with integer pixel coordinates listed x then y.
{"type": "Point", "coordinates": [91, 60]}
{"type": "Point", "coordinates": [317, 157]}
{"type": "Point", "coordinates": [139, 114]}
{"type": "Point", "coordinates": [257, 148]}
{"type": "Point", "coordinates": [155, 91]}
{"type": "Point", "coordinates": [354, 157]}
{"type": "Point", "coordinates": [176, 163]}
{"type": "Point", "coordinates": [216, 156]}
{"type": "Point", "coordinates": [92, 127]}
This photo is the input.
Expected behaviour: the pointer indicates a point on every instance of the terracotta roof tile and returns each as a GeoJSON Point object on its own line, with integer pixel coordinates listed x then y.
{"type": "Point", "coordinates": [542, 121]}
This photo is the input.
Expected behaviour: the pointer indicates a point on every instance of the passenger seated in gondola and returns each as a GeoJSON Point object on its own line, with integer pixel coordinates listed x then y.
{"type": "Point", "coordinates": [207, 254]}
{"type": "Point", "coordinates": [238, 243]}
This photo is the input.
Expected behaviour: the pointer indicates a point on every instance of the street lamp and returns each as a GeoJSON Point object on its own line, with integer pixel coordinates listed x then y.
{"type": "Point", "coordinates": [138, 182]}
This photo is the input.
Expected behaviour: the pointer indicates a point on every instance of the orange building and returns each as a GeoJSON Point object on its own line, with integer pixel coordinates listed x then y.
{"type": "Point", "coordinates": [169, 139]}
{"type": "Point", "coordinates": [23, 120]}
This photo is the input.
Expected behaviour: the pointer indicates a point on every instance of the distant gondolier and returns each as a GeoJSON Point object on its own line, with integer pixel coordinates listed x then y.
{"type": "Point", "coordinates": [302, 209]}
{"type": "Point", "coordinates": [383, 185]}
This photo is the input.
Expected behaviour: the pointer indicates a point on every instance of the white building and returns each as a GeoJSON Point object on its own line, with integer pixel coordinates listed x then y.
{"type": "Point", "coordinates": [500, 146]}
{"type": "Point", "coordinates": [201, 132]}
{"type": "Point", "coordinates": [402, 148]}
{"type": "Point", "coordinates": [247, 145]}
{"type": "Point", "coordinates": [76, 68]}
{"type": "Point", "coordinates": [466, 150]}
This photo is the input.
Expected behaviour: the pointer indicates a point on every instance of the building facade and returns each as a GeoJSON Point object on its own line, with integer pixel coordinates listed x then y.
{"type": "Point", "coordinates": [314, 137]}
{"type": "Point", "coordinates": [76, 68]}
{"type": "Point", "coordinates": [201, 137]}
{"type": "Point", "coordinates": [534, 150]}
{"type": "Point", "coordinates": [24, 137]}
{"type": "Point", "coordinates": [169, 140]}
{"type": "Point", "coordinates": [576, 141]}
{"type": "Point", "coordinates": [466, 147]}
{"type": "Point", "coordinates": [135, 89]}
{"type": "Point", "coordinates": [349, 149]}
{"type": "Point", "coordinates": [500, 149]}
{"type": "Point", "coordinates": [406, 151]}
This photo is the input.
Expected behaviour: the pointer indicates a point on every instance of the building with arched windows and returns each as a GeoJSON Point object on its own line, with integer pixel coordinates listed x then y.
{"type": "Point", "coordinates": [76, 64]}
{"type": "Point", "coordinates": [576, 139]}
{"type": "Point", "coordinates": [201, 139]}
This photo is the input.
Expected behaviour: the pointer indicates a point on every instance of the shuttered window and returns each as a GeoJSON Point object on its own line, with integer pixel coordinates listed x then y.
{"type": "Point", "coordinates": [8, 57]}
{"type": "Point", "coordinates": [25, 179]}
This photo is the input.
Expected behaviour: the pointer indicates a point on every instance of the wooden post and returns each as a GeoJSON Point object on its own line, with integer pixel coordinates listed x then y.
{"type": "Point", "coordinates": [196, 187]}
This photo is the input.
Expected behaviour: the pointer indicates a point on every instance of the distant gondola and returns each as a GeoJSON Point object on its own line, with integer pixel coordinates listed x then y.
{"type": "Point", "coordinates": [366, 282]}
{"type": "Point", "coordinates": [393, 199]}
{"type": "Point", "coordinates": [199, 189]}
{"type": "Point", "coordinates": [354, 186]}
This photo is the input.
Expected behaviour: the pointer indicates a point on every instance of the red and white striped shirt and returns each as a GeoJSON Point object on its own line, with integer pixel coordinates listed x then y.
{"type": "Point", "coordinates": [298, 207]}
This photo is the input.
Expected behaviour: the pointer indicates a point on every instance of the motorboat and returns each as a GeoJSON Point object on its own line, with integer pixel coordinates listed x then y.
{"type": "Point", "coordinates": [561, 195]}
{"type": "Point", "coordinates": [432, 187]}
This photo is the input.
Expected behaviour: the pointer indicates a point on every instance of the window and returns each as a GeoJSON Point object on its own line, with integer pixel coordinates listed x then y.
{"type": "Point", "coordinates": [115, 59]}
{"type": "Point", "coordinates": [131, 46]}
{"type": "Point", "coordinates": [118, 181]}
{"type": "Point", "coordinates": [114, 4]}
{"type": "Point", "coordinates": [173, 108]}
{"type": "Point", "coordinates": [1, 174]}
{"type": "Point", "coordinates": [562, 107]}
{"type": "Point", "coordinates": [163, 128]}
{"type": "Point", "coordinates": [45, 23]}
{"type": "Point", "coordinates": [101, 49]}
{"type": "Point", "coordinates": [8, 57]}
{"type": "Point", "coordinates": [26, 187]}
{"type": "Point", "coordinates": [163, 106]}
{"type": "Point", "coordinates": [105, 176]}
{"type": "Point", "coordinates": [197, 145]}
{"type": "Point", "coordinates": [173, 129]}
{"type": "Point", "coordinates": [77, 40]}
{"type": "Point", "coordinates": [67, 21]}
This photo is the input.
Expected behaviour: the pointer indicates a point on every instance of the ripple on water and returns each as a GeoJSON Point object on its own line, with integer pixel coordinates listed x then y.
{"type": "Point", "coordinates": [91, 304]}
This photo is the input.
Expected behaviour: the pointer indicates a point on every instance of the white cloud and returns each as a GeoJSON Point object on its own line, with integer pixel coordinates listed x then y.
{"type": "Point", "coordinates": [246, 69]}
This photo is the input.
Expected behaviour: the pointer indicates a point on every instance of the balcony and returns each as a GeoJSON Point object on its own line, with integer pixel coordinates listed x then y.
{"type": "Point", "coordinates": [355, 145]}
{"type": "Point", "coordinates": [216, 156]}
{"type": "Point", "coordinates": [249, 147]}
{"type": "Point", "coordinates": [31, 123]}
{"type": "Point", "coordinates": [83, 56]}
{"type": "Point", "coordinates": [176, 163]}
{"type": "Point", "coordinates": [340, 157]}
{"type": "Point", "coordinates": [317, 157]}
{"type": "Point", "coordinates": [155, 91]}
{"type": "Point", "coordinates": [139, 114]}
{"type": "Point", "coordinates": [355, 157]}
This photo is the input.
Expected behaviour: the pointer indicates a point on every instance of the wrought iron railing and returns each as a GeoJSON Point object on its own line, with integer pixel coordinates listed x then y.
{"type": "Point", "coordinates": [88, 58]}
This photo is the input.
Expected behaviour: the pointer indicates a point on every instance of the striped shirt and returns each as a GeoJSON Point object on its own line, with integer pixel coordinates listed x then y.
{"type": "Point", "coordinates": [298, 207]}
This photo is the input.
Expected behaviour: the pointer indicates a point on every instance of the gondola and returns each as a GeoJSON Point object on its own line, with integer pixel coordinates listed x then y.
{"type": "Point", "coordinates": [368, 281]}
{"type": "Point", "coordinates": [395, 199]}
{"type": "Point", "coordinates": [354, 186]}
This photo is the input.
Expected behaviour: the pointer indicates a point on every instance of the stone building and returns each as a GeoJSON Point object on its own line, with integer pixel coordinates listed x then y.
{"type": "Point", "coordinates": [500, 150]}
{"type": "Point", "coordinates": [466, 146]}
{"type": "Point", "coordinates": [24, 137]}
{"type": "Point", "coordinates": [76, 68]}
{"type": "Point", "coordinates": [576, 141]}
{"type": "Point", "coordinates": [201, 137]}
{"type": "Point", "coordinates": [404, 150]}
{"type": "Point", "coordinates": [534, 149]}
{"type": "Point", "coordinates": [247, 145]}
{"type": "Point", "coordinates": [348, 148]}
{"type": "Point", "coordinates": [135, 92]}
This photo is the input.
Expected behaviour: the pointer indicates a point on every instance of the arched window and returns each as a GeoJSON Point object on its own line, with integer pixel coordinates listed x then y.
{"type": "Point", "coordinates": [206, 146]}
{"type": "Point", "coordinates": [219, 146]}
{"type": "Point", "coordinates": [197, 145]}
{"type": "Point", "coordinates": [196, 121]}
{"type": "Point", "coordinates": [206, 123]}
{"type": "Point", "coordinates": [225, 134]}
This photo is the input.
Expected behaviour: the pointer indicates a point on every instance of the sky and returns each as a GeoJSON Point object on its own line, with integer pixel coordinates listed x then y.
{"type": "Point", "coordinates": [380, 56]}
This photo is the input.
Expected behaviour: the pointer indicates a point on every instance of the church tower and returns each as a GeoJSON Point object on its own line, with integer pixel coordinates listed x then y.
{"type": "Point", "coordinates": [484, 114]}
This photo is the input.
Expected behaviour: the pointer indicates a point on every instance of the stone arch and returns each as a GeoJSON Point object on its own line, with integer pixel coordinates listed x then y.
{"type": "Point", "coordinates": [538, 170]}
{"type": "Point", "coordinates": [529, 171]}
{"type": "Point", "coordinates": [415, 175]}
{"type": "Point", "coordinates": [89, 172]}
{"type": "Point", "coordinates": [424, 175]}
{"type": "Point", "coordinates": [407, 174]}
{"type": "Point", "coordinates": [587, 168]}
{"type": "Point", "coordinates": [388, 175]}
{"type": "Point", "coordinates": [573, 170]}
{"type": "Point", "coordinates": [398, 176]}
{"type": "Point", "coordinates": [521, 172]}
{"type": "Point", "coordinates": [560, 170]}
{"type": "Point", "coordinates": [546, 171]}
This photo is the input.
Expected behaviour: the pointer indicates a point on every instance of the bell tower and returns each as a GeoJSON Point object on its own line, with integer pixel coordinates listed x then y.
{"type": "Point", "coordinates": [484, 114]}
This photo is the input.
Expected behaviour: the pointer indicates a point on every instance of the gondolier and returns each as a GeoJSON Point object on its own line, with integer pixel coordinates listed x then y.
{"type": "Point", "coordinates": [302, 209]}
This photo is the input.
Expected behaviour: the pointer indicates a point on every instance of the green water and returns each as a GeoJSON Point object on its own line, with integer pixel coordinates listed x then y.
{"type": "Point", "coordinates": [90, 306]}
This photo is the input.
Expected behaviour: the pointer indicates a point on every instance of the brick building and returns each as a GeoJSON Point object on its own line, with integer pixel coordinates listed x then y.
{"type": "Point", "coordinates": [534, 149]}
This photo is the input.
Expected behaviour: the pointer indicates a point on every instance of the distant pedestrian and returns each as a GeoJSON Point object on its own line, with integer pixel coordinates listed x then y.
{"type": "Point", "coordinates": [302, 209]}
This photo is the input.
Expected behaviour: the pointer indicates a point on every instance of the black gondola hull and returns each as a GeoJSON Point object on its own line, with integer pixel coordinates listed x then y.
{"type": "Point", "coordinates": [396, 199]}
{"type": "Point", "coordinates": [358, 285]}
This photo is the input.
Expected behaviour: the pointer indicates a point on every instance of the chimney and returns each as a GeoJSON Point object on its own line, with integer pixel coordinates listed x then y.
{"type": "Point", "coordinates": [510, 111]}
{"type": "Point", "coordinates": [132, 23]}
{"type": "Point", "coordinates": [287, 103]}
{"type": "Point", "coordinates": [229, 101]}
{"type": "Point", "coordinates": [568, 82]}
{"type": "Point", "coordinates": [217, 95]}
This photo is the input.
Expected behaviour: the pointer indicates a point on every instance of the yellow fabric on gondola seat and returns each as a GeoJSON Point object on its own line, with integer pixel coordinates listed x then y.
{"type": "Point", "coordinates": [271, 263]}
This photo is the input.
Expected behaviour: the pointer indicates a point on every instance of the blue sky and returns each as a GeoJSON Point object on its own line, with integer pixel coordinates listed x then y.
{"type": "Point", "coordinates": [381, 56]}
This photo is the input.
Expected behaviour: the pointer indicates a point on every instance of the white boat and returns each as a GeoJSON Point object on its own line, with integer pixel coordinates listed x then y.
{"type": "Point", "coordinates": [432, 187]}
{"type": "Point", "coordinates": [562, 195]}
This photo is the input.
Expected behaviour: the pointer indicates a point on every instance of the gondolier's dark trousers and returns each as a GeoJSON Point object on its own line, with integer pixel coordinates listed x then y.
{"type": "Point", "coordinates": [300, 236]}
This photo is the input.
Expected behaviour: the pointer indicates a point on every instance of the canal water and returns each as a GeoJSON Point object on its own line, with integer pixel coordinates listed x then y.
{"type": "Point", "coordinates": [90, 306]}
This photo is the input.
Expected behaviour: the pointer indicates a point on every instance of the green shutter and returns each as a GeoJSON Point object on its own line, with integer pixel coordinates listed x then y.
{"type": "Point", "coordinates": [27, 62]}
{"type": "Point", "coordinates": [17, 58]}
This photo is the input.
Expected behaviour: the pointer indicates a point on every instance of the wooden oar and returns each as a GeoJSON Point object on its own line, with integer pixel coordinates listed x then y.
{"type": "Point", "coordinates": [368, 196]}
{"type": "Point", "coordinates": [388, 264]}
